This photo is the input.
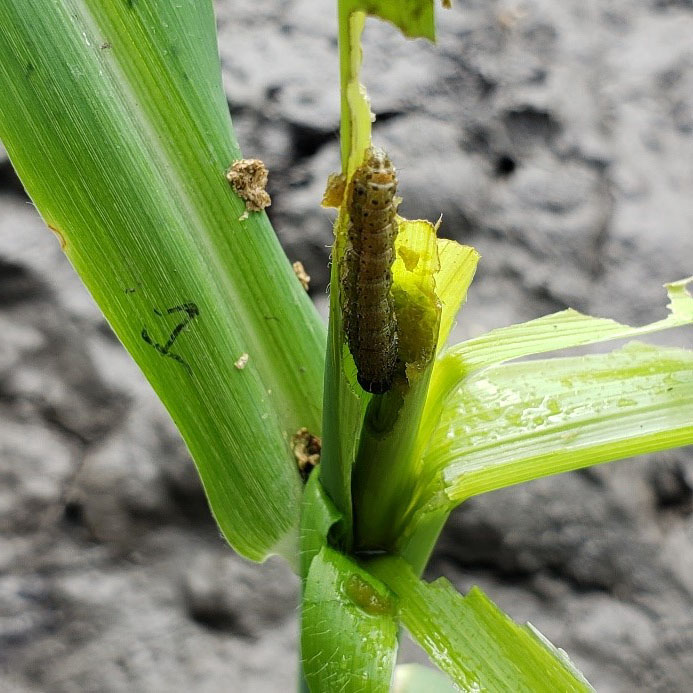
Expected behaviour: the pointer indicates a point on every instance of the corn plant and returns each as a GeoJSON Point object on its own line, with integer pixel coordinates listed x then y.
{"type": "Point", "coordinates": [113, 114]}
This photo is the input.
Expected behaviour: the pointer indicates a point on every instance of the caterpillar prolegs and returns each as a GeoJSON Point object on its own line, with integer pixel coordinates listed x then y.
{"type": "Point", "coordinates": [368, 310]}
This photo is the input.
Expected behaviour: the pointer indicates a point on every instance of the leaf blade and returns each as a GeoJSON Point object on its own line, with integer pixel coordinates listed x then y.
{"type": "Point", "coordinates": [348, 629]}
{"type": "Point", "coordinates": [472, 640]}
{"type": "Point", "coordinates": [562, 330]}
{"type": "Point", "coordinates": [517, 422]}
{"type": "Point", "coordinates": [124, 158]}
{"type": "Point", "coordinates": [414, 18]}
{"type": "Point", "coordinates": [415, 678]}
{"type": "Point", "coordinates": [457, 269]}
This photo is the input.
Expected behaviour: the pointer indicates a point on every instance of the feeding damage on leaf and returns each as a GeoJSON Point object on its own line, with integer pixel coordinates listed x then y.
{"type": "Point", "coordinates": [334, 191]}
{"type": "Point", "coordinates": [416, 301]}
{"type": "Point", "coordinates": [248, 177]}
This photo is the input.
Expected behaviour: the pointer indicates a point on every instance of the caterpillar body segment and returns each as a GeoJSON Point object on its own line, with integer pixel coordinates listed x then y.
{"type": "Point", "coordinates": [368, 311]}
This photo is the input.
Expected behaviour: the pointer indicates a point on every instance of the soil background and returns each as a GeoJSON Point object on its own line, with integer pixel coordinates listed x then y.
{"type": "Point", "coordinates": [556, 137]}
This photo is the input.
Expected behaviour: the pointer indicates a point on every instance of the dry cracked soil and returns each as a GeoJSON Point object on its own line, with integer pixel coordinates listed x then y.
{"type": "Point", "coordinates": [556, 137]}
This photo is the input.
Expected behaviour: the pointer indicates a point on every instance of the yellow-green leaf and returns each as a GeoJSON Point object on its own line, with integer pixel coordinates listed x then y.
{"type": "Point", "coordinates": [473, 641]}
{"type": "Point", "coordinates": [414, 18]}
{"type": "Point", "coordinates": [348, 628]}
{"type": "Point", "coordinates": [114, 116]}
{"type": "Point", "coordinates": [453, 279]}
{"type": "Point", "coordinates": [517, 422]}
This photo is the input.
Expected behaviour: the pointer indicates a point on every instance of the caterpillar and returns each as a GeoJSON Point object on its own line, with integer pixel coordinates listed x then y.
{"type": "Point", "coordinates": [368, 310]}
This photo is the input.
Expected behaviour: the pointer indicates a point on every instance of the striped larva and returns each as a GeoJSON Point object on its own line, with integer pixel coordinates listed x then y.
{"type": "Point", "coordinates": [368, 310]}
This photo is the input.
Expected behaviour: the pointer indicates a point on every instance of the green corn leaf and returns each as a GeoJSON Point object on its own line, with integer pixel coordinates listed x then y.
{"type": "Point", "coordinates": [382, 479]}
{"type": "Point", "coordinates": [318, 515]}
{"type": "Point", "coordinates": [114, 116]}
{"type": "Point", "coordinates": [388, 463]}
{"type": "Point", "coordinates": [518, 422]}
{"type": "Point", "coordinates": [463, 362]}
{"type": "Point", "coordinates": [348, 628]}
{"type": "Point", "coordinates": [346, 404]}
{"type": "Point", "coordinates": [549, 333]}
{"type": "Point", "coordinates": [552, 332]}
{"type": "Point", "coordinates": [453, 279]}
{"type": "Point", "coordinates": [415, 678]}
{"type": "Point", "coordinates": [473, 641]}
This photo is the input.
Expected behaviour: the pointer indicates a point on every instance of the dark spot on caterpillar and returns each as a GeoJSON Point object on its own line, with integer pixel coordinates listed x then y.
{"type": "Point", "coordinates": [367, 304]}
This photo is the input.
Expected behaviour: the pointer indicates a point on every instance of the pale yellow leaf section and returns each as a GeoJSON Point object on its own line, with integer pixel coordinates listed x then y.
{"type": "Point", "coordinates": [457, 268]}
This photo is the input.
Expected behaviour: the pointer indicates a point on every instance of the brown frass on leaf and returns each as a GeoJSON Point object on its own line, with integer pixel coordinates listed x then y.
{"type": "Point", "coordinates": [248, 177]}
{"type": "Point", "coordinates": [301, 274]}
{"type": "Point", "coordinates": [306, 448]}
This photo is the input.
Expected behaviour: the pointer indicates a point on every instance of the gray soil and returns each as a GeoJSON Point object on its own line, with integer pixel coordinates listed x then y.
{"type": "Point", "coordinates": [556, 137]}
